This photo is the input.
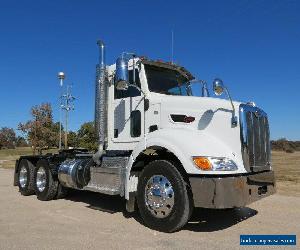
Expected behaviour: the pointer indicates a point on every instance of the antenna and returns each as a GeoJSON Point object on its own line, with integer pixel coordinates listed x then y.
{"type": "Point", "coordinates": [172, 46]}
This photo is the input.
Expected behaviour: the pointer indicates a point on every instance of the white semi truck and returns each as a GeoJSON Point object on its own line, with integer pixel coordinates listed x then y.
{"type": "Point", "coordinates": [161, 147]}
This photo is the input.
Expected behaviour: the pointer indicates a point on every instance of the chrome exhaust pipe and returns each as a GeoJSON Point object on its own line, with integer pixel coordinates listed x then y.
{"type": "Point", "coordinates": [101, 103]}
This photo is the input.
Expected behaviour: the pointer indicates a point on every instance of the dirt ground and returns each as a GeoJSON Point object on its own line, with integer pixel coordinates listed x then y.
{"type": "Point", "coordinates": [87, 220]}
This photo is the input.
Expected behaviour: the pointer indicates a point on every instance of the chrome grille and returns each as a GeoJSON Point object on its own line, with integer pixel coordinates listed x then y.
{"type": "Point", "coordinates": [255, 138]}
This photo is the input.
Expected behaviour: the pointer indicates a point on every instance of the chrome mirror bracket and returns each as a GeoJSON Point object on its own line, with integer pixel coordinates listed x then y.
{"type": "Point", "coordinates": [234, 120]}
{"type": "Point", "coordinates": [219, 89]}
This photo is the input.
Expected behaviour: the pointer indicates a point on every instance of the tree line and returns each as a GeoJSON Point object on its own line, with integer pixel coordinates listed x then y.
{"type": "Point", "coordinates": [41, 132]}
{"type": "Point", "coordinates": [8, 139]}
{"type": "Point", "coordinates": [285, 145]}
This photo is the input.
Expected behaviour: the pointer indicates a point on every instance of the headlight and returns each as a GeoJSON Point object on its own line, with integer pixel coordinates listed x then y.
{"type": "Point", "coordinates": [214, 163]}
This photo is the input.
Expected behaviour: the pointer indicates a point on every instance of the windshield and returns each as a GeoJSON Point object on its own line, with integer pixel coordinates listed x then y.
{"type": "Point", "coordinates": [166, 81]}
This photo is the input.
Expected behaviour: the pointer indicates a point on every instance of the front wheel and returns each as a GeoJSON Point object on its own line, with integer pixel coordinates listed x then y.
{"type": "Point", "coordinates": [163, 197]}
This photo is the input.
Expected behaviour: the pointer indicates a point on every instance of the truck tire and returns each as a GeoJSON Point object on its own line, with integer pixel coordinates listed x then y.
{"type": "Point", "coordinates": [44, 184]}
{"type": "Point", "coordinates": [163, 198]}
{"type": "Point", "coordinates": [25, 177]}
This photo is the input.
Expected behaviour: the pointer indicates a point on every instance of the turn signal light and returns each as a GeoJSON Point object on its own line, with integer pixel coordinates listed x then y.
{"type": "Point", "coordinates": [203, 163]}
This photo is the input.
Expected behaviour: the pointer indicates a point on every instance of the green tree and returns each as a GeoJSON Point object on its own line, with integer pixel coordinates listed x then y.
{"type": "Point", "coordinates": [73, 139]}
{"type": "Point", "coordinates": [87, 137]}
{"type": "Point", "coordinates": [40, 131]}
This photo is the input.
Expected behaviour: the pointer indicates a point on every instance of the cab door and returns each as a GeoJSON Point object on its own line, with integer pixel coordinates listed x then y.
{"type": "Point", "coordinates": [128, 115]}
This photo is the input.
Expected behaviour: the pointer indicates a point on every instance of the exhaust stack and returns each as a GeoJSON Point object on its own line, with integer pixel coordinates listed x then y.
{"type": "Point", "coordinates": [101, 103]}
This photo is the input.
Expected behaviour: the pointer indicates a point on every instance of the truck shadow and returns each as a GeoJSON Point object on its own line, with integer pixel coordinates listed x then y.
{"type": "Point", "coordinates": [202, 220]}
{"type": "Point", "coordinates": [210, 220]}
{"type": "Point", "coordinates": [105, 203]}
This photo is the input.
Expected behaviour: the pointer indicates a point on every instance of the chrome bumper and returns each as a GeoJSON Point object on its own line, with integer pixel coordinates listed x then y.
{"type": "Point", "coordinates": [232, 191]}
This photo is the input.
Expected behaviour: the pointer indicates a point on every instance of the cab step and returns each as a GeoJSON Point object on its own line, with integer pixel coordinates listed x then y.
{"type": "Point", "coordinates": [109, 178]}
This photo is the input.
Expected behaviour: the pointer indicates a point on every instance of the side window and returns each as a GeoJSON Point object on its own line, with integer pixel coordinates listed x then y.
{"type": "Point", "coordinates": [131, 91]}
{"type": "Point", "coordinates": [135, 123]}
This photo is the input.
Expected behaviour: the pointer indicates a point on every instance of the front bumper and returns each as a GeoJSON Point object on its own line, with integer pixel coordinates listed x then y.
{"type": "Point", "coordinates": [231, 191]}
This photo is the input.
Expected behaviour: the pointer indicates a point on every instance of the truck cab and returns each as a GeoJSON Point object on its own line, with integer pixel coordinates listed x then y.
{"type": "Point", "coordinates": [163, 146]}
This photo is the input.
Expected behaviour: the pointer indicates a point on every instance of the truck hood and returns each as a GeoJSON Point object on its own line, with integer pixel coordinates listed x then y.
{"type": "Point", "coordinates": [212, 118]}
{"type": "Point", "coordinates": [194, 103]}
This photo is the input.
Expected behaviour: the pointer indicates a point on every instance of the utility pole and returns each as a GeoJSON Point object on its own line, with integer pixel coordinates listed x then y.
{"type": "Point", "coordinates": [61, 77]}
{"type": "Point", "coordinates": [67, 106]}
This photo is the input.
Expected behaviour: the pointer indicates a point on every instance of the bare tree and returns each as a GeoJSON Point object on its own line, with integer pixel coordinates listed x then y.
{"type": "Point", "coordinates": [7, 138]}
{"type": "Point", "coordinates": [21, 142]}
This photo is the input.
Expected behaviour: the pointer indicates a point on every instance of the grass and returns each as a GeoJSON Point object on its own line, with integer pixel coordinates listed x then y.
{"type": "Point", "coordinates": [287, 171]}
{"type": "Point", "coordinates": [8, 157]}
{"type": "Point", "coordinates": [286, 167]}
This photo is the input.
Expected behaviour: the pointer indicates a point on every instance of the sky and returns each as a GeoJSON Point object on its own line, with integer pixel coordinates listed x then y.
{"type": "Point", "coordinates": [253, 46]}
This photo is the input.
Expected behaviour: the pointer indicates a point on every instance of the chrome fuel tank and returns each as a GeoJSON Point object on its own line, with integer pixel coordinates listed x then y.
{"type": "Point", "coordinates": [74, 173]}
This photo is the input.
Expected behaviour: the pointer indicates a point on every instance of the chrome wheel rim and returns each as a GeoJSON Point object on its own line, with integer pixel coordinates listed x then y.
{"type": "Point", "coordinates": [23, 177]}
{"type": "Point", "coordinates": [41, 179]}
{"type": "Point", "coordinates": [159, 196]}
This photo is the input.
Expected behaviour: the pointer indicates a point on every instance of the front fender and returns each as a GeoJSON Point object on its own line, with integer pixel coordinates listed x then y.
{"type": "Point", "coordinates": [185, 143]}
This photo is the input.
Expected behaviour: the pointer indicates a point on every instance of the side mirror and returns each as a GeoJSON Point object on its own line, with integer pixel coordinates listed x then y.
{"type": "Point", "coordinates": [219, 89]}
{"type": "Point", "coordinates": [122, 78]}
{"type": "Point", "coordinates": [218, 86]}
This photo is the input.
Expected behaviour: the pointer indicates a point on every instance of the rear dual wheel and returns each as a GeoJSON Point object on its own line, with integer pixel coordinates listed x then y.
{"type": "Point", "coordinates": [46, 186]}
{"type": "Point", "coordinates": [25, 177]}
{"type": "Point", "coordinates": [39, 180]}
